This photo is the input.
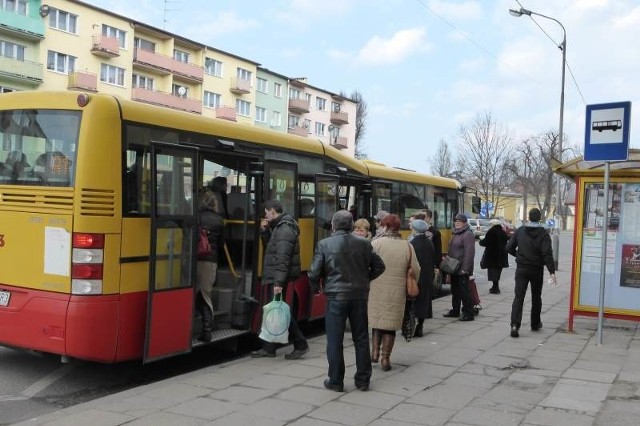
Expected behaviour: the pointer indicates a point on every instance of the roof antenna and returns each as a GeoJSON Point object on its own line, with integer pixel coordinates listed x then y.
{"type": "Point", "coordinates": [165, 10]}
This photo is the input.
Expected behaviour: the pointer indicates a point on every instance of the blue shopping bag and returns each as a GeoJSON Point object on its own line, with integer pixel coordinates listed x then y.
{"type": "Point", "coordinates": [275, 321]}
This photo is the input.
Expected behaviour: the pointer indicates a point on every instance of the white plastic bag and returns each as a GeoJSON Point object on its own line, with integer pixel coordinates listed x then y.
{"type": "Point", "coordinates": [275, 321]}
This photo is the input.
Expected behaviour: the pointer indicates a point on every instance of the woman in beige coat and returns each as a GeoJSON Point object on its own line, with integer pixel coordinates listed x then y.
{"type": "Point", "coordinates": [388, 293]}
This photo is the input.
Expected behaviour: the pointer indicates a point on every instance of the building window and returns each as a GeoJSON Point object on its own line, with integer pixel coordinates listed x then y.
{"type": "Point", "coordinates": [262, 85]}
{"type": "Point", "coordinates": [277, 90]}
{"type": "Point", "coordinates": [213, 67]}
{"type": "Point", "coordinates": [112, 75]}
{"type": "Point", "coordinates": [261, 115]}
{"type": "Point", "coordinates": [146, 45]}
{"type": "Point", "coordinates": [11, 50]}
{"type": "Point", "coordinates": [116, 33]}
{"type": "Point", "coordinates": [179, 90]}
{"type": "Point", "coordinates": [294, 120]}
{"type": "Point", "coordinates": [212, 100]}
{"type": "Point", "coordinates": [60, 62]}
{"type": "Point", "coordinates": [142, 82]}
{"type": "Point", "coordinates": [319, 129]}
{"type": "Point", "coordinates": [321, 103]}
{"type": "Point", "coordinates": [4, 89]}
{"type": "Point", "coordinates": [16, 6]}
{"type": "Point", "coordinates": [277, 119]}
{"type": "Point", "coordinates": [243, 107]}
{"type": "Point", "coordinates": [181, 56]}
{"type": "Point", "coordinates": [244, 74]}
{"type": "Point", "coordinates": [294, 93]}
{"type": "Point", "coordinates": [61, 20]}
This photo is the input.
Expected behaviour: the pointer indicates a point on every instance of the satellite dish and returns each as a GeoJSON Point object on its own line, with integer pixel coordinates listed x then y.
{"type": "Point", "coordinates": [182, 90]}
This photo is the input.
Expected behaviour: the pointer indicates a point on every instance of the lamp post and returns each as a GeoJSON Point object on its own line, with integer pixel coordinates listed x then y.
{"type": "Point", "coordinates": [563, 47]}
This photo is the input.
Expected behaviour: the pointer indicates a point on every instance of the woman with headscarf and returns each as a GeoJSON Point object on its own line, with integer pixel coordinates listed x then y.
{"type": "Point", "coordinates": [423, 246]}
{"type": "Point", "coordinates": [495, 256]}
{"type": "Point", "coordinates": [388, 292]}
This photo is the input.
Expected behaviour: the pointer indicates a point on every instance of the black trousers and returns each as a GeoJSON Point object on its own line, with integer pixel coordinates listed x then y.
{"type": "Point", "coordinates": [295, 334]}
{"type": "Point", "coordinates": [524, 276]}
{"type": "Point", "coordinates": [460, 293]}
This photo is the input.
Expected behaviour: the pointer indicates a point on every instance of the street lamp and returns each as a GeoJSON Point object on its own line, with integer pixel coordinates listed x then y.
{"type": "Point", "coordinates": [563, 47]}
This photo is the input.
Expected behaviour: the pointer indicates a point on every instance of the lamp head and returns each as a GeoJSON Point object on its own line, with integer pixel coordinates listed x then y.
{"type": "Point", "coordinates": [519, 13]}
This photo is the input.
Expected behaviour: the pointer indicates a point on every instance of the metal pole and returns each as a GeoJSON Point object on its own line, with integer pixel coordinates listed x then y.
{"type": "Point", "coordinates": [603, 260]}
{"type": "Point", "coordinates": [559, 209]}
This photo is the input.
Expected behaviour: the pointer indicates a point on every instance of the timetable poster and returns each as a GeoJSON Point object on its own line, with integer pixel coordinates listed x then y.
{"type": "Point", "coordinates": [630, 268]}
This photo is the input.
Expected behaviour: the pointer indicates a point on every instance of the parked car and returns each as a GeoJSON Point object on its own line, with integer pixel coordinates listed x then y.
{"type": "Point", "coordinates": [479, 227]}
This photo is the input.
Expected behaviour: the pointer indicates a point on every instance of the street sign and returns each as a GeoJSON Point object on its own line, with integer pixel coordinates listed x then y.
{"type": "Point", "coordinates": [606, 134]}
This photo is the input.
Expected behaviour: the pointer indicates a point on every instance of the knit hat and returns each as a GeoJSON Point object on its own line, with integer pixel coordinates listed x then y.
{"type": "Point", "coordinates": [460, 218]}
{"type": "Point", "coordinates": [535, 215]}
{"type": "Point", "coordinates": [380, 215]}
{"type": "Point", "coordinates": [419, 225]}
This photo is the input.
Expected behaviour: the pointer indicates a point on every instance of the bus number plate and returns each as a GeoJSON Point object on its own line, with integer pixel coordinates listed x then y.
{"type": "Point", "coordinates": [4, 298]}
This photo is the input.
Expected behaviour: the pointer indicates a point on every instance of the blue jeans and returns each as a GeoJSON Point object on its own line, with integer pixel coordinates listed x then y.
{"type": "Point", "coordinates": [335, 321]}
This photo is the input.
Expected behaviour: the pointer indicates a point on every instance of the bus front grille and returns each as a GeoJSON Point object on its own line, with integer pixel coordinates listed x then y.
{"type": "Point", "coordinates": [97, 202]}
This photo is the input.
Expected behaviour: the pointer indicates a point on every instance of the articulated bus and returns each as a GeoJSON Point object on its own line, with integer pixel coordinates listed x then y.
{"type": "Point", "coordinates": [99, 221]}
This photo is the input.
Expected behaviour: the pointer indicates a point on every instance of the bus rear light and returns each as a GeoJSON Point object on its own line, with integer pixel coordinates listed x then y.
{"type": "Point", "coordinates": [84, 287]}
{"type": "Point", "coordinates": [87, 255]}
{"type": "Point", "coordinates": [88, 240]}
{"type": "Point", "coordinates": [83, 100]}
{"type": "Point", "coordinates": [86, 271]}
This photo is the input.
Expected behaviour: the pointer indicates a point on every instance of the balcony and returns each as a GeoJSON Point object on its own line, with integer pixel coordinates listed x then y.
{"type": "Point", "coordinates": [240, 86]}
{"type": "Point", "coordinates": [166, 100]}
{"type": "Point", "coordinates": [226, 113]}
{"type": "Point", "coordinates": [167, 65]}
{"type": "Point", "coordinates": [21, 26]}
{"type": "Point", "coordinates": [81, 80]}
{"type": "Point", "coordinates": [28, 72]}
{"type": "Point", "coordinates": [299, 131]}
{"type": "Point", "coordinates": [107, 47]}
{"type": "Point", "coordinates": [299, 106]}
{"type": "Point", "coordinates": [339, 142]}
{"type": "Point", "coordinates": [338, 117]}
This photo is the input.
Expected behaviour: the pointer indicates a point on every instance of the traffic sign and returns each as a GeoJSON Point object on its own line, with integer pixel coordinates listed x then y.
{"type": "Point", "coordinates": [606, 134]}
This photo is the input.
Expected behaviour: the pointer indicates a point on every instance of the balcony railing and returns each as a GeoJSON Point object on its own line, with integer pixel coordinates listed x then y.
{"type": "Point", "coordinates": [240, 86]}
{"type": "Point", "coordinates": [166, 100]}
{"type": "Point", "coordinates": [81, 80]}
{"type": "Point", "coordinates": [21, 71]}
{"type": "Point", "coordinates": [226, 113]}
{"type": "Point", "coordinates": [339, 117]}
{"type": "Point", "coordinates": [339, 142]}
{"type": "Point", "coordinates": [22, 26]}
{"type": "Point", "coordinates": [297, 130]}
{"type": "Point", "coordinates": [168, 65]}
{"type": "Point", "coordinates": [107, 47]}
{"type": "Point", "coordinates": [299, 106]}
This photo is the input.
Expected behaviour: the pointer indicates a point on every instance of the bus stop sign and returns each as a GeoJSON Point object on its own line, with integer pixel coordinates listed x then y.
{"type": "Point", "coordinates": [606, 134]}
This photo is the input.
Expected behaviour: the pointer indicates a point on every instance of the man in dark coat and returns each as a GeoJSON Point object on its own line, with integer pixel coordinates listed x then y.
{"type": "Point", "coordinates": [531, 246]}
{"type": "Point", "coordinates": [423, 246]}
{"type": "Point", "coordinates": [281, 264]}
{"type": "Point", "coordinates": [494, 258]}
{"type": "Point", "coordinates": [436, 238]}
{"type": "Point", "coordinates": [345, 263]}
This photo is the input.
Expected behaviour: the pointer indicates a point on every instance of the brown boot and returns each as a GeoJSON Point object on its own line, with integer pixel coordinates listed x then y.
{"type": "Point", "coordinates": [387, 346]}
{"type": "Point", "coordinates": [375, 345]}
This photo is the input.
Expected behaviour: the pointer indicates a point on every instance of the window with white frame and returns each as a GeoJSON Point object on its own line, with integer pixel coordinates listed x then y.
{"type": "Point", "coordinates": [320, 128]}
{"type": "Point", "coordinates": [277, 119]}
{"type": "Point", "coordinates": [262, 85]}
{"type": "Point", "coordinates": [11, 50]}
{"type": "Point", "coordinates": [213, 67]}
{"type": "Point", "coordinates": [116, 33]}
{"type": "Point", "coordinates": [307, 97]}
{"type": "Point", "coordinates": [211, 100]}
{"type": "Point", "coordinates": [277, 90]}
{"type": "Point", "coordinates": [181, 56]}
{"type": "Point", "coordinates": [60, 62]}
{"type": "Point", "coordinates": [142, 81]}
{"type": "Point", "coordinates": [146, 45]}
{"type": "Point", "coordinates": [321, 103]}
{"type": "Point", "coordinates": [243, 107]}
{"type": "Point", "coordinates": [62, 20]}
{"type": "Point", "coordinates": [244, 74]}
{"type": "Point", "coordinates": [294, 93]}
{"type": "Point", "coordinates": [179, 90]}
{"type": "Point", "coordinates": [261, 115]}
{"type": "Point", "coordinates": [335, 106]}
{"type": "Point", "coordinates": [294, 120]}
{"type": "Point", "coordinates": [16, 6]}
{"type": "Point", "coordinates": [112, 75]}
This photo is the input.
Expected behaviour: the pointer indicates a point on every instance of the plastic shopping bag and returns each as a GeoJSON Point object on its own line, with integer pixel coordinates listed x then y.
{"type": "Point", "coordinates": [275, 321]}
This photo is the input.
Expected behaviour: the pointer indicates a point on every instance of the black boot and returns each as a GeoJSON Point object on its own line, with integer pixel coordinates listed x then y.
{"type": "Point", "coordinates": [207, 324]}
{"type": "Point", "coordinates": [495, 289]}
{"type": "Point", "coordinates": [418, 332]}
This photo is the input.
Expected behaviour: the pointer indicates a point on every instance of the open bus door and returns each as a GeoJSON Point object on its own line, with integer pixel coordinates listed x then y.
{"type": "Point", "coordinates": [327, 202]}
{"type": "Point", "coordinates": [172, 262]}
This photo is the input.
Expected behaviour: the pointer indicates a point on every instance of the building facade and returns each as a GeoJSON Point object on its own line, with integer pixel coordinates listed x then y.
{"type": "Point", "coordinates": [71, 45]}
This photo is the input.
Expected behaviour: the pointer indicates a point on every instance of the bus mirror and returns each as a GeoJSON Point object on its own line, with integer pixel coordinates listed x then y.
{"type": "Point", "coordinates": [475, 204]}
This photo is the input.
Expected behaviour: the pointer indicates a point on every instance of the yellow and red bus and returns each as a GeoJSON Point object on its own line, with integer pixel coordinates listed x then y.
{"type": "Point", "coordinates": [99, 213]}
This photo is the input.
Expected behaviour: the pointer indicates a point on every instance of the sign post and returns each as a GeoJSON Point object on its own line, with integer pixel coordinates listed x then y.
{"type": "Point", "coordinates": [606, 139]}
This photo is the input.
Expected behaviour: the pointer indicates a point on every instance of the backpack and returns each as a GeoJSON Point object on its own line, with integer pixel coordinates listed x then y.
{"type": "Point", "coordinates": [203, 248]}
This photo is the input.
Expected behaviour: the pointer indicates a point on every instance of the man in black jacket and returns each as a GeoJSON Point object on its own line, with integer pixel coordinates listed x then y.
{"type": "Point", "coordinates": [281, 265]}
{"type": "Point", "coordinates": [531, 246]}
{"type": "Point", "coordinates": [346, 264]}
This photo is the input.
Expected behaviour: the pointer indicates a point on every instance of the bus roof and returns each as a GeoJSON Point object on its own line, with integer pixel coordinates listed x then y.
{"type": "Point", "coordinates": [381, 171]}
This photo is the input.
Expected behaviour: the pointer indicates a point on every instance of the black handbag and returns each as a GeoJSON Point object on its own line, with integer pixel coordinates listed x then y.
{"type": "Point", "coordinates": [450, 265]}
{"type": "Point", "coordinates": [409, 321]}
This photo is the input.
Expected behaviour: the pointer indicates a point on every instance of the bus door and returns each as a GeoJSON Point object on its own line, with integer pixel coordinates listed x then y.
{"type": "Point", "coordinates": [327, 203]}
{"type": "Point", "coordinates": [172, 260]}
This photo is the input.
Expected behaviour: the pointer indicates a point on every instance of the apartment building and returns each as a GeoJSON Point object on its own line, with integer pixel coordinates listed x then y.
{"type": "Point", "coordinates": [72, 45]}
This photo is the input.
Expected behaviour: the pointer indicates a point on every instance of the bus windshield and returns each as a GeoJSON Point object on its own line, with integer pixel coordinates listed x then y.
{"type": "Point", "coordinates": [38, 147]}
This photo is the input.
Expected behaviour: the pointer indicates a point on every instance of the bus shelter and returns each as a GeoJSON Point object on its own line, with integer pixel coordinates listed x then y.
{"type": "Point", "coordinates": [622, 252]}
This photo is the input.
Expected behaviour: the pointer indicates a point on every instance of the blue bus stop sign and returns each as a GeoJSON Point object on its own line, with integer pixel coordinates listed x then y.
{"type": "Point", "coordinates": [606, 133]}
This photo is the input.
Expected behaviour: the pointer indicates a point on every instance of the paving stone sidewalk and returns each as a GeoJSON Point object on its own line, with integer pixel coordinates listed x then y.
{"type": "Point", "coordinates": [459, 373]}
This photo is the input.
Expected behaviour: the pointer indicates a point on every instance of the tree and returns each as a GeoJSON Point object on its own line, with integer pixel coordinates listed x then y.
{"type": "Point", "coordinates": [442, 161]}
{"type": "Point", "coordinates": [361, 121]}
{"type": "Point", "coordinates": [484, 157]}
